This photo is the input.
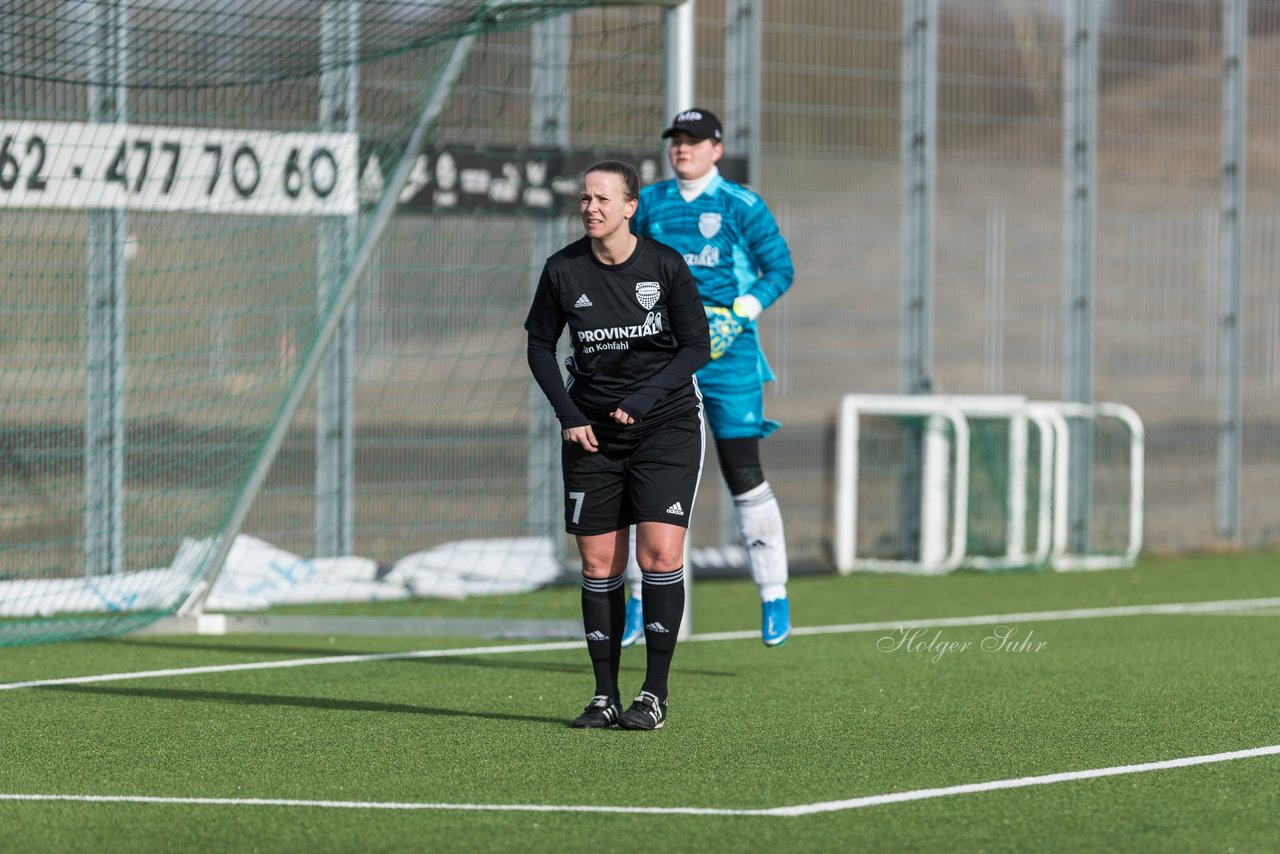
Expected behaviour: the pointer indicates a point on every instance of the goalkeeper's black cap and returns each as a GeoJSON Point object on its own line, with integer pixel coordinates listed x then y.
{"type": "Point", "coordinates": [698, 123]}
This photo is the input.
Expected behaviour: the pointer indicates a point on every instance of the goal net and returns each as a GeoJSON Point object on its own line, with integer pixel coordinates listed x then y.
{"type": "Point", "coordinates": [265, 266]}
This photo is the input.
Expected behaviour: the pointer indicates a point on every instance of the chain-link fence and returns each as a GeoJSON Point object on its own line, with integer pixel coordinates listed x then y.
{"type": "Point", "coordinates": [831, 142]}
{"type": "Point", "coordinates": [443, 441]}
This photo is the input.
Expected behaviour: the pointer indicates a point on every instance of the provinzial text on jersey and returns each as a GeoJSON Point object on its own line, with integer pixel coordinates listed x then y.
{"type": "Point", "coordinates": [708, 257]}
{"type": "Point", "coordinates": [611, 333]}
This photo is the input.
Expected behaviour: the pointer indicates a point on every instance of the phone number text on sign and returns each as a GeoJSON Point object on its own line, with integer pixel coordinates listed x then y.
{"type": "Point", "coordinates": [75, 165]}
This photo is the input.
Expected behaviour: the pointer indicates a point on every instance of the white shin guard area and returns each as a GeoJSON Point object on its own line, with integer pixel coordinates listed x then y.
{"type": "Point", "coordinates": [760, 526]}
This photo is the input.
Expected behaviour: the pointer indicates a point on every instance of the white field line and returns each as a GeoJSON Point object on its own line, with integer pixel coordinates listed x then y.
{"type": "Point", "coordinates": [1210, 608]}
{"type": "Point", "coordinates": [772, 812]}
{"type": "Point", "coordinates": [294, 662]}
{"type": "Point", "coordinates": [1213, 608]}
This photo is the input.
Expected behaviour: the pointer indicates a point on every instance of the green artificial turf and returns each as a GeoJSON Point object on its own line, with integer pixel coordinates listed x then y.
{"type": "Point", "coordinates": [829, 717]}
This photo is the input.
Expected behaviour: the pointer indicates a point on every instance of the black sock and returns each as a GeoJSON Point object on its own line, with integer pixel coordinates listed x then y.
{"type": "Point", "coordinates": [603, 617]}
{"type": "Point", "coordinates": [663, 610]}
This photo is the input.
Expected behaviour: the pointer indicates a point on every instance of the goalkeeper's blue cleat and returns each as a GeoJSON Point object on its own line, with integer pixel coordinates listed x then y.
{"type": "Point", "coordinates": [634, 629]}
{"type": "Point", "coordinates": [775, 621]}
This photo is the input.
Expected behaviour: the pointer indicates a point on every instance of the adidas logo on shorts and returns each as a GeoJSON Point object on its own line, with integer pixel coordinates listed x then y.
{"type": "Point", "coordinates": [676, 509]}
{"type": "Point", "coordinates": [582, 302]}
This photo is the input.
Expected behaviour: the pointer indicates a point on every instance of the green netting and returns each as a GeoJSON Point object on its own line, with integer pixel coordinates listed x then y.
{"type": "Point", "coordinates": [1014, 493]}
{"type": "Point", "coordinates": [184, 185]}
{"type": "Point", "coordinates": [997, 493]}
{"type": "Point", "coordinates": [890, 486]}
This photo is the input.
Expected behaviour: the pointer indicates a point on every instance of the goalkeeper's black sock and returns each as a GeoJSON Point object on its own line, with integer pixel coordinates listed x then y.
{"type": "Point", "coordinates": [663, 611]}
{"type": "Point", "coordinates": [603, 619]}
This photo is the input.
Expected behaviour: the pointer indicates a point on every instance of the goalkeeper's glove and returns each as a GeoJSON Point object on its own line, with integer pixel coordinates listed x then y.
{"type": "Point", "coordinates": [727, 324]}
{"type": "Point", "coordinates": [724, 326]}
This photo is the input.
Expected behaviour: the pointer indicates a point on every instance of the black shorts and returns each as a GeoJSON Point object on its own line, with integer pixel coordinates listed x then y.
{"type": "Point", "coordinates": [641, 473]}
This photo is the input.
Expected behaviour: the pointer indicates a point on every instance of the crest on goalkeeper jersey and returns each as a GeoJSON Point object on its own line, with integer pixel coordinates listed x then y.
{"type": "Point", "coordinates": [647, 293]}
{"type": "Point", "coordinates": [709, 224]}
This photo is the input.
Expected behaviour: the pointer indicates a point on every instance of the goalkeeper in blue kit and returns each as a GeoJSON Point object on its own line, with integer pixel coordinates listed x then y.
{"type": "Point", "coordinates": [742, 265]}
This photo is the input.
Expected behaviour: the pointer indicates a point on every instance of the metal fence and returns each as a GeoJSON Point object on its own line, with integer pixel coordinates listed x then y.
{"type": "Point", "coordinates": [443, 412]}
{"type": "Point", "coordinates": [831, 170]}
{"type": "Point", "coordinates": [1002, 310]}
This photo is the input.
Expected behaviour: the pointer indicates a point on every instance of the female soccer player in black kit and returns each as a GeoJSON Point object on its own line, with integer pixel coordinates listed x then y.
{"type": "Point", "coordinates": [631, 419]}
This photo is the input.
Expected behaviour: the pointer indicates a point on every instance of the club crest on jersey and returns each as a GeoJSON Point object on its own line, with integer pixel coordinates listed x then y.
{"type": "Point", "coordinates": [647, 293]}
{"type": "Point", "coordinates": [709, 224]}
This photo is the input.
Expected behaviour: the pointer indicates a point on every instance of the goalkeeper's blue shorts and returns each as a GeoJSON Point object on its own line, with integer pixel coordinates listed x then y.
{"type": "Point", "coordinates": [733, 391]}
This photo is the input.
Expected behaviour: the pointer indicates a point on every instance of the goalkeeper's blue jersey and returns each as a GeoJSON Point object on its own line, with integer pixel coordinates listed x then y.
{"type": "Point", "coordinates": [727, 236]}
{"type": "Point", "coordinates": [731, 243]}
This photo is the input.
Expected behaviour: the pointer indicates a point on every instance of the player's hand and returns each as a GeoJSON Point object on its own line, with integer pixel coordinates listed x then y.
{"type": "Point", "coordinates": [621, 416]}
{"type": "Point", "coordinates": [584, 436]}
{"type": "Point", "coordinates": [725, 326]}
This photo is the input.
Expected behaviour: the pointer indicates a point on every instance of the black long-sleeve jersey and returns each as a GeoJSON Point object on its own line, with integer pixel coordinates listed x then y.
{"type": "Point", "coordinates": [638, 333]}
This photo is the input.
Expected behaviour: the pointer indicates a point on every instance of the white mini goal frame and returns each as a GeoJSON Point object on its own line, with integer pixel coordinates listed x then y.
{"type": "Point", "coordinates": [940, 486]}
{"type": "Point", "coordinates": [1050, 526]}
{"type": "Point", "coordinates": [935, 473]}
{"type": "Point", "coordinates": [1064, 560]}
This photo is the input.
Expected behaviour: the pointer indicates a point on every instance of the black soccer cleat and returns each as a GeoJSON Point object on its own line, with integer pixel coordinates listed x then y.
{"type": "Point", "coordinates": [647, 712]}
{"type": "Point", "coordinates": [601, 712]}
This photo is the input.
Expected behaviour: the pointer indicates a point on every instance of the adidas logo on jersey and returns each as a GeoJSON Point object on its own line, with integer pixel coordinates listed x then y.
{"type": "Point", "coordinates": [676, 509]}
{"type": "Point", "coordinates": [597, 636]}
{"type": "Point", "coordinates": [655, 626]}
{"type": "Point", "coordinates": [582, 302]}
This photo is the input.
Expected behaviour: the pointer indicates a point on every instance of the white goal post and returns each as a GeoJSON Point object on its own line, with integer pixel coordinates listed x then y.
{"type": "Point", "coordinates": [1129, 421]}
{"type": "Point", "coordinates": [1021, 415]}
{"type": "Point", "coordinates": [1033, 484]}
{"type": "Point", "coordinates": [935, 554]}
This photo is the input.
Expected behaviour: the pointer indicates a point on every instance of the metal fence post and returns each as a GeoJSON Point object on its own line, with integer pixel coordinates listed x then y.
{"type": "Point", "coordinates": [918, 163]}
{"type": "Point", "coordinates": [336, 240]}
{"type": "Point", "coordinates": [1235, 30]}
{"type": "Point", "coordinates": [548, 128]}
{"type": "Point", "coordinates": [105, 312]}
{"type": "Point", "coordinates": [1079, 153]}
